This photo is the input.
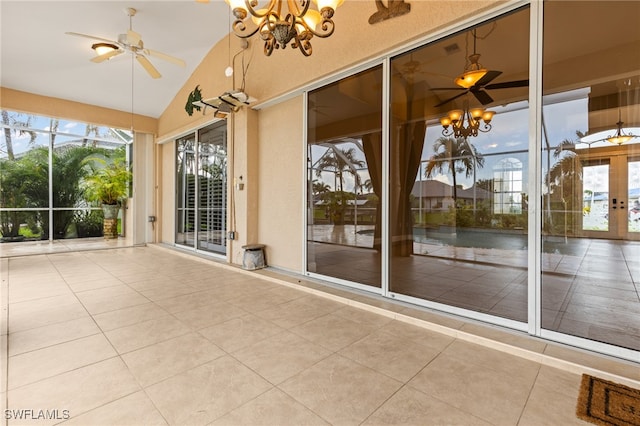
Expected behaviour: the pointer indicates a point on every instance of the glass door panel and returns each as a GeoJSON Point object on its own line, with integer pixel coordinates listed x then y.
{"type": "Point", "coordinates": [590, 182]}
{"type": "Point", "coordinates": [185, 190]}
{"type": "Point", "coordinates": [458, 201]}
{"type": "Point", "coordinates": [212, 185]}
{"type": "Point", "coordinates": [344, 179]}
{"type": "Point", "coordinates": [633, 192]}
{"type": "Point", "coordinates": [595, 198]}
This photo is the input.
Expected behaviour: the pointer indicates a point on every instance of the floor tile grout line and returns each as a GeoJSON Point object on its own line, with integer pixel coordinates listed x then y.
{"type": "Point", "coordinates": [533, 385]}
{"type": "Point", "coordinates": [153, 302]}
{"type": "Point", "coordinates": [511, 349]}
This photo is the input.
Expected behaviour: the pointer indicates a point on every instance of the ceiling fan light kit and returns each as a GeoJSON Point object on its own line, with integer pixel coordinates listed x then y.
{"type": "Point", "coordinates": [278, 29]}
{"type": "Point", "coordinates": [103, 48]}
{"type": "Point", "coordinates": [472, 74]}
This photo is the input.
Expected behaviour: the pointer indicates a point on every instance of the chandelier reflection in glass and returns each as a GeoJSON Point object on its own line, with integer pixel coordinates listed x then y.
{"type": "Point", "coordinates": [278, 28]}
{"type": "Point", "coordinates": [468, 122]}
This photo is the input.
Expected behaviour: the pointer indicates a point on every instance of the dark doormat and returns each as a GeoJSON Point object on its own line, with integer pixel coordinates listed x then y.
{"type": "Point", "coordinates": [607, 403]}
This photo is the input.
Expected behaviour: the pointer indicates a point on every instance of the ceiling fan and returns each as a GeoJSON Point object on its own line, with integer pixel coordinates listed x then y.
{"type": "Point", "coordinates": [475, 80]}
{"type": "Point", "coordinates": [131, 41]}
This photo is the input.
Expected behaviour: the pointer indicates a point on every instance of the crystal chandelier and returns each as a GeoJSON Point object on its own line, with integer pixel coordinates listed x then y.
{"type": "Point", "coordinates": [468, 122]}
{"type": "Point", "coordinates": [278, 28]}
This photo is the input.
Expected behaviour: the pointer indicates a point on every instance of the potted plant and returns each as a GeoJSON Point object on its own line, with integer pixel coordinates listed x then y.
{"type": "Point", "coordinates": [108, 185]}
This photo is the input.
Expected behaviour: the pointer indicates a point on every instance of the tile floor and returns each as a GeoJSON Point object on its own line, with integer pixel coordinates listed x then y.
{"type": "Point", "coordinates": [148, 335]}
{"type": "Point", "coordinates": [583, 279]}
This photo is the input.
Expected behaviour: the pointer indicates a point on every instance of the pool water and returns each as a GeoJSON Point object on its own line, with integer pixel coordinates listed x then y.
{"type": "Point", "coordinates": [498, 240]}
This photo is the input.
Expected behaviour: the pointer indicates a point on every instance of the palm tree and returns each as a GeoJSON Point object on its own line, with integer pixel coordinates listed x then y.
{"type": "Point", "coordinates": [320, 188]}
{"type": "Point", "coordinates": [455, 156]}
{"type": "Point", "coordinates": [340, 162]}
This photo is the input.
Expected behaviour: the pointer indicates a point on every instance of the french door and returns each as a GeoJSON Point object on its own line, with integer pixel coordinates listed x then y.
{"type": "Point", "coordinates": [611, 197]}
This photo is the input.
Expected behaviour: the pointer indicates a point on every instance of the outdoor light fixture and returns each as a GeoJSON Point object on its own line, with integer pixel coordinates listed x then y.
{"type": "Point", "coordinates": [278, 28]}
{"type": "Point", "coordinates": [619, 137]}
{"type": "Point", "coordinates": [473, 71]}
{"type": "Point", "coordinates": [467, 122]}
{"type": "Point", "coordinates": [103, 48]}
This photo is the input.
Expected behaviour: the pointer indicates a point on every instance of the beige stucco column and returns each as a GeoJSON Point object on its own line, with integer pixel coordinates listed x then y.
{"type": "Point", "coordinates": [243, 181]}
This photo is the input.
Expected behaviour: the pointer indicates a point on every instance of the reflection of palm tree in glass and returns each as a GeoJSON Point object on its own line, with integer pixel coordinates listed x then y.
{"type": "Point", "coordinates": [564, 187]}
{"type": "Point", "coordinates": [455, 156]}
{"type": "Point", "coordinates": [320, 188]}
{"type": "Point", "coordinates": [340, 162]}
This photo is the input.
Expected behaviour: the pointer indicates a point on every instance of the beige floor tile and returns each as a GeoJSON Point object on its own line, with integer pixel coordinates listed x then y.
{"type": "Point", "coordinates": [558, 381]}
{"type": "Point", "coordinates": [222, 289]}
{"type": "Point", "coordinates": [94, 283]}
{"type": "Point", "coordinates": [209, 315]}
{"type": "Point", "coordinates": [132, 410]}
{"type": "Point", "coordinates": [395, 356]}
{"type": "Point", "coordinates": [37, 290]}
{"type": "Point", "coordinates": [110, 299]}
{"type": "Point", "coordinates": [273, 407]}
{"type": "Point", "coordinates": [77, 391]}
{"type": "Point", "coordinates": [262, 299]}
{"type": "Point", "coordinates": [53, 360]}
{"type": "Point", "coordinates": [201, 395]}
{"type": "Point", "coordinates": [341, 391]}
{"type": "Point", "coordinates": [188, 301]}
{"type": "Point", "coordinates": [151, 282]}
{"type": "Point", "coordinates": [418, 335]}
{"type": "Point", "coordinates": [494, 396]}
{"type": "Point", "coordinates": [160, 293]}
{"type": "Point", "coordinates": [37, 338]}
{"type": "Point", "coordinates": [41, 312]}
{"type": "Point", "coordinates": [411, 407]}
{"type": "Point", "coordinates": [127, 339]}
{"type": "Point", "coordinates": [279, 357]}
{"type": "Point", "coordinates": [362, 316]}
{"type": "Point", "coordinates": [165, 359]}
{"type": "Point", "coordinates": [493, 359]}
{"type": "Point", "coordinates": [129, 316]}
{"type": "Point", "coordinates": [333, 332]}
{"type": "Point", "coordinates": [546, 407]}
{"type": "Point", "coordinates": [240, 332]}
{"type": "Point", "coordinates": [298, 311]}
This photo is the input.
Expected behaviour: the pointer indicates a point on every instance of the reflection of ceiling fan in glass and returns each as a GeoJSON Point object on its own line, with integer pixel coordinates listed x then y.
{"type": "Point", "coordinates": [131, 41]}
{"type": "Point", "coordinates": [475, 79]}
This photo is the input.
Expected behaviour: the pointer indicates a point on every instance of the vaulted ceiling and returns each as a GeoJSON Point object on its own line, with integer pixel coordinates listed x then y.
{"type": "Point", "coordinates": [38, 57]}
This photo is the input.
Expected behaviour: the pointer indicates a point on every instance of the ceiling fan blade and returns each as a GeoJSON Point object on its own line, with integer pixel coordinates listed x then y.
{"type": "Point", "coordinates": [489, 76]}
{"type": "Point", "coordinates": [105, 56]}
{"type": "Point", "coordinates": [482, 96]}
{"type": "Point", "coordinates": [508, 84]}
{"type": "Point", "coordinates": [165, 57]}
{"type": "Point", "coordinates": [450, 99]}
{"type": "Point", "coordinates": [148, 66]}
{"type": "Point", "coordinates": [92, 37]}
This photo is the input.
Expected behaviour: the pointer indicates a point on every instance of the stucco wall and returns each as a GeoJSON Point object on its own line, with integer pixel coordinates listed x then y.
{"type": "Point", "coordinates": [15, 100]}
{"type": "Point", "coordinates": [280, 173]}
{"type": "Point", "coordinates": [353, 42]}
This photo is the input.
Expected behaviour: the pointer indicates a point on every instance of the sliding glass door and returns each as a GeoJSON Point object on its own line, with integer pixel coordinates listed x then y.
{"type": "Point", "coordinates": [201, 189]}
{"type": "Point", "coordinates": [455, 183]}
